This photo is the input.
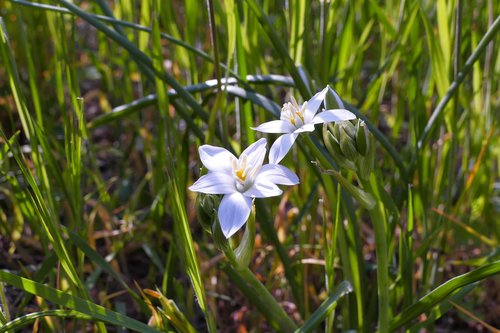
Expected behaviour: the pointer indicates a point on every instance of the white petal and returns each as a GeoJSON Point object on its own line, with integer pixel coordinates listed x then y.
{"type": "Point", "coordinates": [328, 116]}
{"type": "Point", "coordinates": [281, 147]}
{"type": "Point", "coordinates": [305, 128]}
{"type": "Point", "coordinates": [256, 152]}
{"type": "Point", "coordinates": [214, 183]}
{"type": "Point", "coordinates": [263, 188]}
{"type": "Point", "coordinates": [234, 210]}
{"type": "Point", "coordinates": [278, 174]}
{"type": "Point", "coordinates": [275, 126]}
{"type": "Point", "coordinates": [313, 105]}
{"type": "Point", "coordinates": [215, 158]}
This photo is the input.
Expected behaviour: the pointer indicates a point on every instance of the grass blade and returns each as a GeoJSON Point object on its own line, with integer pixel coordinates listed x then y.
{"type": "Point", "coordinates": [439, 294]}
{"type": "Point", "coordinates": [96, 312]}
{"type": "Point", "coordinates": [326, 307]}
{"type": "Point", "coordinates": [23, 321]}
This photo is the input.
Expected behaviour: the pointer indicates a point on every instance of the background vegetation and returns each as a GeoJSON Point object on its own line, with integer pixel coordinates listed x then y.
{"type": "Point", "coordinates": [104, 103]}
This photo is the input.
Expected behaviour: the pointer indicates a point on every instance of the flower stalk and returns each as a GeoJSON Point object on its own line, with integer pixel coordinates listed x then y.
{"type": "Point", "coordinates": [259, 296]}
{"type": "Point", "coordinates": [378, 218]}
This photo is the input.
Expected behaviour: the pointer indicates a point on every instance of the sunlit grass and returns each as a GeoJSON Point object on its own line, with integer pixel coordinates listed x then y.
{"type": "Point", "coordinates": [103, 106]}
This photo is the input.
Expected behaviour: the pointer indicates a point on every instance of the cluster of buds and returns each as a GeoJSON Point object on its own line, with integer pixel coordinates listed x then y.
{"type": "Point", "coordinates": [349, 142]}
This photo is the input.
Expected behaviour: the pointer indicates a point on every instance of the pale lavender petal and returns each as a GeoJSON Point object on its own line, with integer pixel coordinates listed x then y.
{"type": "Point", "coordinates": [256, 152]}
{"type": "Point", "coordinates": [305, 128]}
{"type": "Point", "coordinates": [275, 126]}
{"type": "Point", "coordinates": [278, 174]}
{"type": "Point", "coordinates": [281, 147]}
{"type": "Point", "coordinates": [263, 188]}
{"type": "Point", "coordinates": [313, 105]}
{"type": "Point", "coordinates": [216, 158]}
{"type": "Point", "coordinates": [214, 183]}
{"type": "Point", "coordinates": [234, 210]}
{"type": "Point", "coordinates": [328, 116]}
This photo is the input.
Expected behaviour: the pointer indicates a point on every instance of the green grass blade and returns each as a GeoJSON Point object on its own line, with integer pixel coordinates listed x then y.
{"type": "Point", "coordinates": [280, 48]}
{"type": "Point", "coordinates": [139, 56]}
{"type": "Point", "coordinates": [127, 109]}
{"type": "Point", "coordinates": [184, 242]}
{"type": "Point", "coordinates": [85, 307]}
{"type": "Point", "coordinates": [102, 263]}
{"type": "Point", "coordinates": [326, 307]}
{"type": "Point", "coordinates": [440, 294]}
{"type": "Point", "coordinates": [23, 321]}
{"type": "Point", "coordinates": [42, 203]}
{"type": "Point", "coordinates": [468, 66]}
{"type": "Point", "coordinates": [298, 9]}
{"type": "Point", "coordinates": [260, 297]}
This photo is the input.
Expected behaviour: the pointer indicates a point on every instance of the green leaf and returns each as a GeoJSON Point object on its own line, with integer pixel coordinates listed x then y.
{"type": "Point", "coordinates": [440, 294]}
{"type": "Point", "coordinates": [23, 321]}
{"type": "Point", "coordinates": [326, 307]}
{"type": "Point", "coordinates": [92, 310]}
{"type": "Point", "coordinates": [184, 241]}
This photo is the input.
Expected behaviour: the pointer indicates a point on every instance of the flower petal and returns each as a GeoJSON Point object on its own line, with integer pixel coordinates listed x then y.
{"type": "Point", "coordinates": [281, 147]}
{"type": "Point", "coordinates": [328, 116]}
{"type": "Point", "coordinates": [216, 158]}
{"type": "Point", "coordinates": [256, 152]}
{"type": "Point", "coordinates": [313, 105]}
{"type": "Point", "coordinates": [275, 126]}
{"type": "Point", "coordinates": [278, 174]}
{"type": "Point", "coordinates": [214, 183]}
{"type": "Point", "coordinates": [234, 210]}
{"type": "Point", "coordinates": [305, 128]}
{"type": "Point", "coordinates": [263, 188]}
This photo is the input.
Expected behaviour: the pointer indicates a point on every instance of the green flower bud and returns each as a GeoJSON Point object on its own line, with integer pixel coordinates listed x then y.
{"type": "Point", "coordinates": [366, 163]}
{"type": "Point", "coordinates": [336, 131]}
{"type": "Point", "coordinates": [333, 147]}
{"type": "Point", "coordinates": [347, 145]}
{"type": "Point", "coordinates": [220, 241]}
{"type": "Point", "coordinates": [206, 208]}
{"type": "Point", "coordinates": [361, 137]}
{"type": "Point", "coordinates": [349, 128]}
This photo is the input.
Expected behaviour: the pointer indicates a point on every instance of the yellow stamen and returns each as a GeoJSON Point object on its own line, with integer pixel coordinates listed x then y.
{"type": "Point", "coordinates": [241, 174]}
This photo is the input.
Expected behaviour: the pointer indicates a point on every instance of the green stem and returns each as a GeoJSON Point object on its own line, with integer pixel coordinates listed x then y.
{"type": "Point", "coordinates": [350, 256]}
{"type": "Point", "coordinates": [260, 297]}
{"type": "Point", "coordinates": [377, 215]}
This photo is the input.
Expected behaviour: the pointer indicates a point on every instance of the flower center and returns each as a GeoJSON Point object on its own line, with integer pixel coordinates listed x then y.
{"type": "Point", "coordinates": [243, 172]}
{"type": "Point", "coordinates": [292, 112]}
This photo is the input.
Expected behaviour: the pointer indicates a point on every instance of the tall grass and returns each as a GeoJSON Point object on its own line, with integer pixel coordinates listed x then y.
{"type": "Point", "coordinates": [104, 103]}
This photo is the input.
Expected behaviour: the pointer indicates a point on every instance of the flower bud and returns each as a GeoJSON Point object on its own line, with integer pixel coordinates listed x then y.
{"type": "Point", "coordinates": [349, 128]}
{"type": "Point", "coordinates": [206, 208]}
{"type": "Point", "coordinates": [347, 144]}
{"type": "Point", "coordinates": [333, 147]}
{"type": "Point", "coordinates": [220, 241]}
{"type": "Point", "coordinates": [365, 164]}
{"type": "Point", "coordinates": [361, 138]}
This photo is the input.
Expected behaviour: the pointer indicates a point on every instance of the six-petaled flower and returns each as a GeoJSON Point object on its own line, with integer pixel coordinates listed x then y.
{"type": "Point", "coordinates": [295, 119]}
{"type": "Point", "coordinates": [240, 180]}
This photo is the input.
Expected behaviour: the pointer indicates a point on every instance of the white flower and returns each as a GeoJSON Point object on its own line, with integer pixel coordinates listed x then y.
{"type": "Point", "coordinates": [296, 119]}
{"type": "Point", "coordinates": [240, 180]}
